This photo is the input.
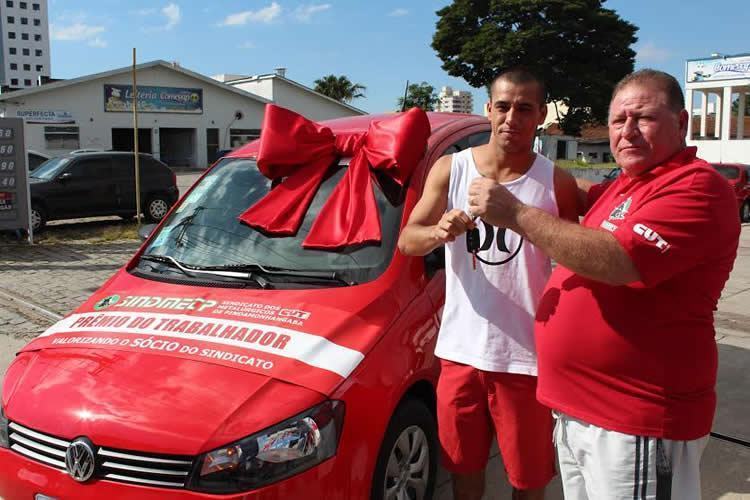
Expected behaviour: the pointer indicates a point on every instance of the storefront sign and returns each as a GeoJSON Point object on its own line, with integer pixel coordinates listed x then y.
{"type": "Point", "coordinates": [723, 68]}
{"type": "Point", "coordinates": [14, 191]}
{"type": "Point", "coordinates": [153, 99]}
{"type": "Point", "coordinates": [45, 116]}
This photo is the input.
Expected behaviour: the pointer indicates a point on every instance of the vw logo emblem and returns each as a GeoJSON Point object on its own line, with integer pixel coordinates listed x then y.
{"type": "Point", "coordinates": [80, 461]}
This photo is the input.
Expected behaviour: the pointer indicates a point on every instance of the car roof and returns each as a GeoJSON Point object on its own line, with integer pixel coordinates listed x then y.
{"type": "Point", "coordinates": [93, 154]}
{"type": "Point", "coordinates": [355, 124]}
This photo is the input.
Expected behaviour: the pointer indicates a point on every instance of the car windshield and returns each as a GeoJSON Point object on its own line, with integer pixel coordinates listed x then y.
{"type": "Point", "coordinates": [728, 172]}
{"type": "Point", "coordinates": [50, 168]}
{"type": "Point", "coordinates": [204, 230]}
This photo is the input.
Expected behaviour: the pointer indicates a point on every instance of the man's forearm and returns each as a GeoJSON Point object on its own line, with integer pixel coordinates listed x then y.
{"type": "Point", "coordinates": [588, 252]}
{"type": "Point", "coordinates": [418, 240]}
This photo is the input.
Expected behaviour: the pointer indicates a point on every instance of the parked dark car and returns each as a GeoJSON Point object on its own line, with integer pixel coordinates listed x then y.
{"type": "Point", "coordinates": [35, 159]}
{"type": "Point", "coordinates": [738, 176]}
{"type": "Point", "coordinates": [101, 183]}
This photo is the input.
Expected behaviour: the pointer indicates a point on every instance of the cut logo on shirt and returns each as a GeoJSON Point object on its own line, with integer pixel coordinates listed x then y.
{"type": "Point", "coordinates": [621, 210]}
{"type": "Point", "coordinates": [652, 236]}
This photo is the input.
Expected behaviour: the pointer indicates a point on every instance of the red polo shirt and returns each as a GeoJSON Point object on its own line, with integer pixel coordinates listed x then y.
{"type": "Point", "coordinates": [641, 359]}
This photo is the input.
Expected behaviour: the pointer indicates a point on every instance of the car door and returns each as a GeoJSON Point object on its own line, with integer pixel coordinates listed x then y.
{"type": "Point", "coordinates": [85, 188]}
{"type": "Point", "coordinates": [123, 172]}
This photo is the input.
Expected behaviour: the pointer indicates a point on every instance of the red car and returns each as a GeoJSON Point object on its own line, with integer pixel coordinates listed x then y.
{"type": "Point", "coordinates": [226, 362]}
{"type": "Point", "coordinates": [738, 176]}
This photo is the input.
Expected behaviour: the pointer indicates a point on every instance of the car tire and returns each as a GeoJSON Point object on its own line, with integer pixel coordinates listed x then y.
{"type": "Point", "coordinates": [156, 208]}
{"type": "Point", "coordinates": [745, 211]}
{"type": "Point", "coordinates": [38, 217]}
{"type": "Point", "coordinates": [407, 461]}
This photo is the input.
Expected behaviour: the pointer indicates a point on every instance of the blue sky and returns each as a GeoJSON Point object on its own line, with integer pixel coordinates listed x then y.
{"type": "Point", "coordinates": [379, 44]}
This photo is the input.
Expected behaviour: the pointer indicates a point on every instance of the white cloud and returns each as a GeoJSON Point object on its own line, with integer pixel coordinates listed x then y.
{"type": "Point", "coordinates": [649, 52]}
{"type": "Point", "coordinates": [98, 43]}
{"type": "Point", "coordinates": [304, 13]}
{"type": "Point", "coordinates": [144, 12]}
{"type": "Point", "coordinates": [246, 45]}
{"type": "Point", "coordinates": [264, 15]}
{"type": "Point", "coordinates": [172, 13]}
{"type": "Point", "coordinates": [398, 12]}
{"type": "Point", "coordinates": [74, 32]}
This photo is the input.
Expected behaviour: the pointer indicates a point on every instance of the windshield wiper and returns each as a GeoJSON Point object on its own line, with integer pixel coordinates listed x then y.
{"type": "Point", "coordinates": [197, 270]}
{"type": "Point", "coordinates": [327, 276]}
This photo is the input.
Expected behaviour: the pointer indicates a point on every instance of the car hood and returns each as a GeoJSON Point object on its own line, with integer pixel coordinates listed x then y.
{"type": "Point", "coordinates": [313, 337]}
{"type": "Point", "coordinates": [143, 401]}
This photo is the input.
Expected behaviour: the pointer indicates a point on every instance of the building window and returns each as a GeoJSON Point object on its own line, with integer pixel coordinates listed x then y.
{"type": "Point", "coordinates": [23, 5]}
{"type": "Point", "coordinates": [9, 3]}
{"type": "Point", "coordinates": [14, 82]}
{"type": "Point", "coordinates": [38, 52]}
{"type": "Point", "coordinates": [27, 82]}
{"type": "Point", "coordinates": [24, 20]}
{"type": "Point", "coordinates": [12, 51]}
{"type": "Point", "coordinates": [11, 19]}
{"type": "Point", "coordinates": [37, 22]}
{"type": "Point", "coordinates": [240, 136]}
{"type": "Point", "coordinates": [61, 137]}
{"type": "Point", "coordinates": [13, 66]}
{"type": "Point", "coordinates": [35, 6]}
{"type": "Point", "coordinates": [26, 52]}
{"type": "Point", "coordinates": [27, 67]}
{"type": "Point", "coordinates": [12, 35]}
{"type": "Point", "coordinates": [39, 68]}
{"type": "Point", "coordinates": [24, 36]}
{"type": "Point", "coordinates": [37, 38]}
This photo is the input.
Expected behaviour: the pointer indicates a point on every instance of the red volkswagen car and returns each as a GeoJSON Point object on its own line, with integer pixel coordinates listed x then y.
{"type": "Point", "coordinates": [232, 359]}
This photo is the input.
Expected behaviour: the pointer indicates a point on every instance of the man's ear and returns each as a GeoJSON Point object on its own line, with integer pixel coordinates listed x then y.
{"type": "Point", "coordinates": [542, 113]}
{"type": "Point", "coordinates": [488, 108]}
{"type": "Point", "coordinates": [683, 121]}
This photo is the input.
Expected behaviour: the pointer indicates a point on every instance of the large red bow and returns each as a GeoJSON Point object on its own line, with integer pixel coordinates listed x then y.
{"type": "Point", "coordinates": [299, 150]}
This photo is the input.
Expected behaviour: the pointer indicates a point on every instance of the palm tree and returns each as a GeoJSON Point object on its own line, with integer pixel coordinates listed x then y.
{"type": "Point", "coordinates": [339, 88]}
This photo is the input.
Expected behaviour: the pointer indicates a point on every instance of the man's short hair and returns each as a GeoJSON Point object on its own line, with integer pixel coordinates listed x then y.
{"type": "Point", "coordinates": [665, 82]}
{"type": "Point", "coordinates": [519, 76]}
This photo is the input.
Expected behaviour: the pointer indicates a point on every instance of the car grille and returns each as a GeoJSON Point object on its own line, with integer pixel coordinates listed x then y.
{"type": "Point", "coordinates": [166, 471]}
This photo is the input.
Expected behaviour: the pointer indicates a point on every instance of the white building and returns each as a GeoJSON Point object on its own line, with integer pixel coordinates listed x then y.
{"type": "Point", "coordinates": [184, 117]}
{"type": "Point", "coordinates": [719, 87]}
{"type": "Point", "coordinates": [276, 87]}
{"type": "Point", "coordinates": [24, 43]}
{"type": "Point", "coordinates": [455, 101]}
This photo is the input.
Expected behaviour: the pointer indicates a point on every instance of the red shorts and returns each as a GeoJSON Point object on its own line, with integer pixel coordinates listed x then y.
{"type": "Point", "coordinates": [471, 403]}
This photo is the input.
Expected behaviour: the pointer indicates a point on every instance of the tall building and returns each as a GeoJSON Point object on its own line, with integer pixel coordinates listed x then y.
{"type": "Point", "coordinates": [24, 43]}
{"type": "Point", "coordinates": [455, 101]}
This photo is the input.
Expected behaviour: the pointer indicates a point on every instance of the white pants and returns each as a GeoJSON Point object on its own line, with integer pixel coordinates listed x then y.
{"type": "Point", "coordinates": [597, 464]}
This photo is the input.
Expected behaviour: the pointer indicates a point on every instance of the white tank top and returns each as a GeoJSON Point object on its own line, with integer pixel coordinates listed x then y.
{"type": "Point", "coordinates": [488, 318]}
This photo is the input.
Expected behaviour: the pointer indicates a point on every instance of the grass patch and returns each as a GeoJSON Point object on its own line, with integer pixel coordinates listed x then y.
{"type": "Point", "coordinates": [580, 164]}
{"type": "Point", "coordinates": [84, 232]}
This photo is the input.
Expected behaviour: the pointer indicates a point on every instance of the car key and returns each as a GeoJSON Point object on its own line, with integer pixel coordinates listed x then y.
{"type": "Point", "coordinates": [472, 245]}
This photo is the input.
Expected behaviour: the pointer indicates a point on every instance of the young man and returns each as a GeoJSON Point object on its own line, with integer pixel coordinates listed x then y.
{"type": "Point", "coordinates": [627, 356]}
{"type": "Point", "coordinates": [488, 380]}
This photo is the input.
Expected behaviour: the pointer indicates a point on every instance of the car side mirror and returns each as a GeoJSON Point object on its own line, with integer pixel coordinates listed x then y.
{"type": "Point", "coordinates": [64, 176]}
{"type": "Point", "coordinates": [434, 261]}
{"type": "Point", "coordinates": [145, 231]}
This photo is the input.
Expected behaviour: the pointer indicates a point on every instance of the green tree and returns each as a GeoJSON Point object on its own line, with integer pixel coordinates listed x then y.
{"type": "Point", "coordinates": [419, 95]}
{"type": "Point", "coordinates": [736, 105]}
{"type": "Point", "coordinates": [339, 88]}
{"type": "Point", "coordinates": [580, 48]}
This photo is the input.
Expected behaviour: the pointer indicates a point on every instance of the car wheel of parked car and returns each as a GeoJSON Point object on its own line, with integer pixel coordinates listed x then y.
{"type": "Point", "coordinates": [38, 218]}
{"type": "Point", "coordinates": [156, 208]}
{"type": "Point", "coordinates": [745, 211]}
{"type": "Point", "coordinates": [407, 462]}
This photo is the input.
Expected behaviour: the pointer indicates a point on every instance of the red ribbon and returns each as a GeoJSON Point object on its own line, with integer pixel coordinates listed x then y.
{"type": "Point", "coordinates": [300, 151]}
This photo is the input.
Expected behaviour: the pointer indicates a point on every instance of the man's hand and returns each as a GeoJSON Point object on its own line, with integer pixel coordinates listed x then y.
{"type": "Point", "coordinates": [453, 223]}
{"type": "Point", "coordinates": [493, 203]}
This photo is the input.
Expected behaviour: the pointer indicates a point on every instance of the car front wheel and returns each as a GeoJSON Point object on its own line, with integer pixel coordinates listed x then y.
{"type": "Point", "coordinates": [156, 208]}
{"type": "Point", "coordinates": [38, 218]}
{"type": "Point", "coordinates": [745, 211]}
{"type": "Point", "coordinates": [407, 462]}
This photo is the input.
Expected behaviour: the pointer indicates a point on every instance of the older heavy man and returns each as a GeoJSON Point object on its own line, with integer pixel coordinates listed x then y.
{"type": "Point", "coordinates": [624, 330]}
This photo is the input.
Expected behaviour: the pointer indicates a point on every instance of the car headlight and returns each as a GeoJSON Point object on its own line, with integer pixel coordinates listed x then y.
{"type": "Point", "coordinates": [3, 429]}
{"type": "Point", "coordinates": [273, 454]}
